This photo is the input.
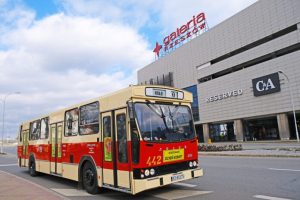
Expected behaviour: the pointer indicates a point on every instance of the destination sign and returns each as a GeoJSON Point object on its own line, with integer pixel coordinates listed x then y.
{"type": "Point", "coordinates": [164, 93]}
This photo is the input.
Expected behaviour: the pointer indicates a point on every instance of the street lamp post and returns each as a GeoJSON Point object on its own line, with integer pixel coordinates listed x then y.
{"type": "Point", "coordinates": [3, 117]}
{"type": "Point", "coordinates": [292, 102]}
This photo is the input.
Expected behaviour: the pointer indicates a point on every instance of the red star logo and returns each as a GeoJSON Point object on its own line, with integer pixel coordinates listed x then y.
{"type": "Point", "coordinates": [157, 49]}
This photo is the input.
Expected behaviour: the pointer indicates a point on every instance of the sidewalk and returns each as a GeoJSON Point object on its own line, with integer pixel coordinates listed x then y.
{"type": "Point", "coordinates": [14, 188]}
{"type": "Point", "coordinates": [288, 149]}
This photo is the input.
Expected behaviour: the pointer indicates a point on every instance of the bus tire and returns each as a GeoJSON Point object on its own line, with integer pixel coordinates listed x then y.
{"type": "Point", "coordinates": [32, 167]}
{"type": "Point", "coordinates": [89, 178]}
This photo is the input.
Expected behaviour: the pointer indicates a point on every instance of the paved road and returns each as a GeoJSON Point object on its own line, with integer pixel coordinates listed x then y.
{"type": "Point", "coordinates": [225, 178]}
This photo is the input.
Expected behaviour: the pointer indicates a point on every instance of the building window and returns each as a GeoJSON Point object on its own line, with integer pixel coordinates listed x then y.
{"type": "Point", "coordinates": [222, 132]}
{"type": "Point", "coordinates": [195, 105]}
{"type": "Point", "coordinates": [261, 129]}
{"type": "Point", "coordinates": [89, 119]}
{"type": "Point", "coordinates": [71, 122]}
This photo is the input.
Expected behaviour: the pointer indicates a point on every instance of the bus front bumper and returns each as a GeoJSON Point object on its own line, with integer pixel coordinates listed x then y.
{"type": "Point", "coordinates": [140, 185]}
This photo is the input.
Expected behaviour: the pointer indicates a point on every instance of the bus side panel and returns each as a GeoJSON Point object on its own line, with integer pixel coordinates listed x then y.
{"type": "Point", "coordinates": [73, 152]}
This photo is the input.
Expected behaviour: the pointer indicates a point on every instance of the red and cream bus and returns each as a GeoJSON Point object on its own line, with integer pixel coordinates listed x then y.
{"type": "Point", "coordinates": [133, 140]}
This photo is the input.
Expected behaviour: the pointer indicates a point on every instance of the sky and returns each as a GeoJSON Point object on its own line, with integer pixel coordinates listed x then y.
{"type": "Point", "coordinates": [56, 53]}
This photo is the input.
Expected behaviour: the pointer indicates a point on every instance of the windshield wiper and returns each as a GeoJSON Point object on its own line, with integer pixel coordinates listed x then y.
{"type": "Point", "coordinates": [161, 115]}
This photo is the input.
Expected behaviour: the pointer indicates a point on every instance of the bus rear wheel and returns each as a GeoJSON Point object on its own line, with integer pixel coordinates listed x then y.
{"type": "Point", "coordinates": [32, 169]}
{"type": "Point", "coordinates": [89, 178]}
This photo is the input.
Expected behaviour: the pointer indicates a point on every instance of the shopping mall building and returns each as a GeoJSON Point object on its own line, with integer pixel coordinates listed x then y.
{"type": "Point", "coordinates": [244, 73]}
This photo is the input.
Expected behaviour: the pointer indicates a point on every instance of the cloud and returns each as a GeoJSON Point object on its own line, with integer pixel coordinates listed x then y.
{"type": "Point", "coordinates": [161, 17]}
{"type": "Point", "coordinates": [61, 60]}
{"type": "Point", "coordinates": [87, 49]}
{"type": "Point", "coordinates": [61, 42]}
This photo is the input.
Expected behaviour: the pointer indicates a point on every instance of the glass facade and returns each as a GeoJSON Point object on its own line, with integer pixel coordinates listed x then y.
{"type": "Point", "coordinates": [222, 132]}
{"type": "Point", "coordinates": [292, 125]}
{"type": "Point", "coordinates": [261, 129]}
{"type": "Point", "coordinates": [164, 79]}
{"type": "Point", "coordinates": [195, 105]}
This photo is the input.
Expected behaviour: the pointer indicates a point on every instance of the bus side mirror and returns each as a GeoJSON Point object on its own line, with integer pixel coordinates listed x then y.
{"type": "Point", "coordinates": [131, 111]}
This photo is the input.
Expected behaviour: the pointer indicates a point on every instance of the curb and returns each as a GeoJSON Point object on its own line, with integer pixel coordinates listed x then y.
{"type": "Point", "coordinates": [248, 155]}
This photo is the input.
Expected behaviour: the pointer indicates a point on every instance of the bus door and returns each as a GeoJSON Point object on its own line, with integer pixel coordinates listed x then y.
{"type": "Point", "coordinates": [56, 140]}
{"type": "Point", "coordinates": [121, 149]}
{"type": "Point", "coordinates": [24, 147]}
{"type": "Point", "coordinates": [115, 150]}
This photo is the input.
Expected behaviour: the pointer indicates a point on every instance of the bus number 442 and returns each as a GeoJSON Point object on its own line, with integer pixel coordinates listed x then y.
{"type": "Point", "coordinates": [155, 160]}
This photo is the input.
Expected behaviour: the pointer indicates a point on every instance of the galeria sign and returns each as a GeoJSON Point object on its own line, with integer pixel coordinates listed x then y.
{"type": "Point", "coordinates": [182, 33]}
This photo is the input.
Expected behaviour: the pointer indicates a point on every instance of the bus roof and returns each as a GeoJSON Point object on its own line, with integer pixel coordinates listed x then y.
{"type": "Point", "coordinates": [119, 98]}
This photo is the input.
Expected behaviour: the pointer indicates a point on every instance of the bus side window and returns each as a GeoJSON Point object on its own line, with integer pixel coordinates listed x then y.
{"type": "Point", "coordinates": [89, 119]}
{"type": "Point", "coordinates": [122, 138]}
{"type": "Point", "coordinates": [44, 128]}
{"type": "Point", "coordinates": [20, 137]}
{"type": "Point", "coordinates": [71, 122]}
{"type": "Point", "coordinates": [35, 130]}
{"type": "Point", "coordinates": [107, 139]}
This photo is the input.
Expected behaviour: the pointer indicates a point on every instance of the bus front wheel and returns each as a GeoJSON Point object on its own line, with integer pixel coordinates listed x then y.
{"type": "Point", "coordinates": [89, 178]}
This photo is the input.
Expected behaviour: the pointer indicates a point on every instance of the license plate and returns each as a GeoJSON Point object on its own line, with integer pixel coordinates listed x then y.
{"type": "Point", "coordinates": [177, 177]}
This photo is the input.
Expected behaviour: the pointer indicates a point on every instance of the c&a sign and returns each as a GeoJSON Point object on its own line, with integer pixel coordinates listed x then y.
{"type": "Point", "coordinates": [266, 84]}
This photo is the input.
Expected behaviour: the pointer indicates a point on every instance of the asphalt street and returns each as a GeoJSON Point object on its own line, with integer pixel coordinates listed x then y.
{"type": "Point", "coordinates": [225, 178]}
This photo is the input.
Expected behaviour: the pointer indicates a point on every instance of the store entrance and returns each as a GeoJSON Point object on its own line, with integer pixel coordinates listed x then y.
{"type": "Point", "coordinates": [222, 132]}
{"type": "Point", "coordinates": [261, 129]}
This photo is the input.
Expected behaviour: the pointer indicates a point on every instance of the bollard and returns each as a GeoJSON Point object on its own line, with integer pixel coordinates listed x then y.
{"type": "Point", "coordinates": [209, 141]}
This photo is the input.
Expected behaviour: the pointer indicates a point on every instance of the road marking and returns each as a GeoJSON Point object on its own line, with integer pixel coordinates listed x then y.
{"type": "Point", "coordinates": [178, 194]}
{"type": "Point", "coordinates": [71, 192]}
{"type": "Point", "coordinates": [291, 170]}
{"type": "Point", "coordinates": [268, 197]}
{"type": "Point", "coordinates": [185, 185]}
{"type": "Point", "coordinates": [7, 165]}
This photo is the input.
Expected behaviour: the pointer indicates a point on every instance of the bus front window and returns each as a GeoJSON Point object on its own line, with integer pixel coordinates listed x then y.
{"type": "Point", "coordinates": [165, 123]}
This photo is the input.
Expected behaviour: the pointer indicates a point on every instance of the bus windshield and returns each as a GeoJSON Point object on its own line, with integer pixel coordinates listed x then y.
{"type": "Point", "coordinates": [164, 123]}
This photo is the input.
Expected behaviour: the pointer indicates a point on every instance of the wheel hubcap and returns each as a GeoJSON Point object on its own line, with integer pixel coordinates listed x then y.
{"type": "Point", "coordinates": [89, 177]}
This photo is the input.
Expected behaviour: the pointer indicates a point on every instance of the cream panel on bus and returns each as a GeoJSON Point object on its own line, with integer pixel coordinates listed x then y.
{"type": "Point", "coordinates": [123, 177]}
{"type": "Point", "coordinates": [58, 168]}
{"type": "Point", "coordinates": [108, 176]}
{"type": "Point", "coordinates": [43, 166]}
{"type": "Point", "coordinates": [99, 173]}
{"type": "Point", "coordinates": [145, 184]}
{"type": "Point", "coordinates": [70, 171]}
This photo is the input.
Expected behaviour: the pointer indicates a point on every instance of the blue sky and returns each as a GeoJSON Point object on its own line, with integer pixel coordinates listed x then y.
{"type": "Point", "coordinates": [60, 52]}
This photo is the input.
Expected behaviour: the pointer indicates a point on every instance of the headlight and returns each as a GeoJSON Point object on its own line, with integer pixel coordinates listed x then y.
{"type": "Point", "coordinates": [147, 172]}
{"type": "Point", "coordinates": [152, 172]}
{"type": "Point", "coordinates": [191, 164]}
{"type": "Point", "coordinates": [195, 163]}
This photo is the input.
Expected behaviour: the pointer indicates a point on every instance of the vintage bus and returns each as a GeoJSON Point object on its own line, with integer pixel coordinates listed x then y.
{"type": "Point", "coordinates": [133, 140]}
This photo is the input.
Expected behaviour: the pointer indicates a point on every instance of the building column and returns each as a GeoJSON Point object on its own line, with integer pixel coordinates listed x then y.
{"type": "Point", "coordinates": [205, 132]}
{"type": "Point", "coordinates": [238, 130]}
{"type": "Point", "coordinates": [283, 126]}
